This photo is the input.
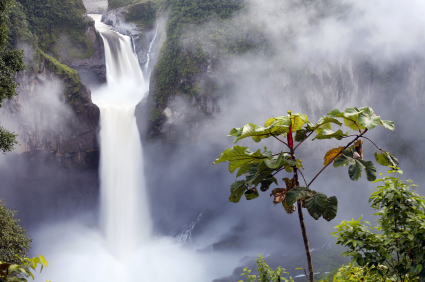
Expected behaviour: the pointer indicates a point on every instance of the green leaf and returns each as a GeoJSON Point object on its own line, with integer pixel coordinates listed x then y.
{"type": "Point", "coordinates": [385, 159]}
{"type": "Point", "coordinates": [316, 204]}
{"type": "Point", "coordinates": [325, 123]}
{"type": "Point", "coordinates": [273, 127]}
{"type": "Point", "coordinates": [251, 194]}
{"type": "Point", "coordinates": [369, 121]}
{"type": "Point", "coordinates": [356, 166]}
{"type": "Point", "coordinates": [237, 189]}
{"type": "Point", "coordinates": [295, 194]}
{"type": "Point", "coordinates": [237, 156]}
{"type": "Point", "coordinates": [331, 208]}
{"type": "Point", "coordinates": [266, 183]}
{"type": "Point", "coordinates": [388, 124]}
{"type": "Point", "coordinates": [300, 135]}
{"type": "Point", "coordinates": [328, 134]}
{"type": "Point", "coordinates": [369, 168]}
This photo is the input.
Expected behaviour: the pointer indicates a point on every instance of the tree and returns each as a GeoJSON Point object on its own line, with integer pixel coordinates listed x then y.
{"type": "Point", "coordinates": [14, 240]}
{"type": "Point", "coordinates": [261, 167]}
{"type": "Point", "coordinates": [395, 248]}
{"type": "Point", "coordinates": [10, 62]}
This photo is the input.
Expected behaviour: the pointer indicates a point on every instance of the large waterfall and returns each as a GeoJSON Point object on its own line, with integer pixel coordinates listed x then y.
{"type": "Point", "coordinates": [124, 206]}
{"type": "Point", "coordinates": [122, 247]}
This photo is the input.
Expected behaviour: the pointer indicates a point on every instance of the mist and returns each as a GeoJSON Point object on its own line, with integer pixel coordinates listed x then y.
{"type": "Point", "coordinates": [318, 56]}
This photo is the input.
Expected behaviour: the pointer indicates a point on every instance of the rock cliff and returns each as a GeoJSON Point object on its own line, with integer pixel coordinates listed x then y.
{"type": "Point", "coordinates": [53, 115]}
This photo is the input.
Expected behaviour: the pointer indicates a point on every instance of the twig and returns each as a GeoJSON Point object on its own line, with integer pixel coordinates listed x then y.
{"type": "Point", "coordinates": [354, 140]}
{"type": "Point", "coordinates": [305, 138]}
{"type": "Point", "coordinates": [373, 143]}
{"type": "Point", "coordinates": [303, 177]}
{"type": "Point", "coordinates": [279, 139]}
{"type": "Point", "coordinates": [306, 274]}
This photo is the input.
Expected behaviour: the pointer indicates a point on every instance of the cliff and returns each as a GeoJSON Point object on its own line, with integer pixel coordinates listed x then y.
{"type": "Point", "coordinates": [53, 115]}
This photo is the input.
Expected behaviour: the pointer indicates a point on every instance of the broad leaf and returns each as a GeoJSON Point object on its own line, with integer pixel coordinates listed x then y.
{"type": "Point", "coordinates": [301, 134]}
{"type": "Point", "coordinates": [237, 189]}
{"type": "Point", "coordinates": [331, 209]}
{"type": "Point", "coordinates": [297, 121]}
{"type": "Point", "coordinates": [385, 159]}
{"type": "Point", "coordinates": [295, 194]}
{"type": "Point", "coordinates": [247, 168]}
{"type": "Point", "coordinates": [369, 168]}
{"type": "Point", "coordinates": [267, 182]}
{"type": "Point", "coordinates": [388, 124]}
{"type": "Point", "coordinates": [356, 166]}
{"type": "Point", "coordinates": [251, 194]}
{"type": "Point", "coordinates": [316, 204]}
{"type": "Point", "coordinates": [273, 127]}
{"type": "Point", "coordinates": [332, 153]}
{"type": "Point", "coordinates": [325, 123]}
{"type": "Point", "coordinates": [368, 120]}
{"type": "Point", "coordinates": [237, 156]}
{"type": "Point", "coordinates": [329, 134]}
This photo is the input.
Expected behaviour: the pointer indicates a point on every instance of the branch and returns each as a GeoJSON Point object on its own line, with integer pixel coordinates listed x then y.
{"type": "Point", "coordinates": [279, 139]}
{"type": "Point", "coordinates": [305, 138]}
{"type": "Point", "coordinates": [373, 143]}
{"type": "Point", "coordinates": [354, 140]}
{"type": "Point", "coordinates": [303, 177]}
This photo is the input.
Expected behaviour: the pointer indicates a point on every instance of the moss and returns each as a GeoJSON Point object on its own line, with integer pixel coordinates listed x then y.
{"type": "Point", "coordinates": [66, 73]}
{"type": "Point", "coordinates": [142, 14]}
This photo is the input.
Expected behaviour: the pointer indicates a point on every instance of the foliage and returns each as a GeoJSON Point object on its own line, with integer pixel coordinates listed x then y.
{"type": "Point", "coordinates": [19, 27]}
{"type": "Point", "coordinates": [143, 14]}
{"type": "Point", "coordinates": [10, 63]}
{"type": "Point", "coordinates": [183, 58]}
{"type": "Point", "coordinates": [17, 272]}
{"type": "Point", "coordinates": [59, 24]}
{"type": "Point", "coordinates": [265, 273]}
{"type": "Point", "coordinates": [260, 168]}
{"type": "Point", "coordinates": [351, 272]}
{"type": "Point", "coordinates": [396, 247]}
{"type": "Point", "coordinates": [14, 240]}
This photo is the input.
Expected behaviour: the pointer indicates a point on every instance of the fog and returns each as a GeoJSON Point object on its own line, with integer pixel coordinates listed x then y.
{"type": "Point", "coordinates": [320, 56]}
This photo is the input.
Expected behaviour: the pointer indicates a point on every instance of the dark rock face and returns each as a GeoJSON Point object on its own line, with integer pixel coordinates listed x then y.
{"type": "Point", "coordinates": [54, 116]}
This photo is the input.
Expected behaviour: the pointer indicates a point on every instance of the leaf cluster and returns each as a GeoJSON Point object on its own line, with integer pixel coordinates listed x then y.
{"type": "Point", "coordinates": [266, 273]}
{"type": "Point", "coordinates": [260, 168]}
{"type": "Point", "coordinates": [14, 240]}
{"type": "Point", "coordinates": [398, 240]}
{"type": "Point", "coordinates": [18, 272]}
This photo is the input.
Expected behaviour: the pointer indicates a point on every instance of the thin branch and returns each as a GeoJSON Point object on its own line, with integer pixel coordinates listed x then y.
{"type": "Point", "coordinates": [373, 143]}
{"type": "Point", "coordinates": [354, 140]}
{"type": "Point", "coordinates": [305, 138]}
{"type": "Point", "coordinates": [278, 170]}
{"type": "Point", "coordinates": [279, 139]}
{"type": "Point", "coordinates": [303, 177]}
{"type": "Point", "coordinates": [308, 278]}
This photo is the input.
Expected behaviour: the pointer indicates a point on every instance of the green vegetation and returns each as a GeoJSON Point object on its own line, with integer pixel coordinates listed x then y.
{"type": "Point", "coordinates": [266, 274]}
{"type": "Point", "coordinates": [14, 240]}
{"type": "Point", "coordinates": [57, 27]}
{"type": "Point", "coordinates": [395, 248]}
{"type": "Point", "coordinates": [260, 168]}
{"type": "Point", "coordinates": [142, 14]}
{"type": "Point", "coordinates": [199, 33]}
{"type": "Point", "coordinates": [16, 272]}
{"type": "Point", "coordinates": [11, 62]}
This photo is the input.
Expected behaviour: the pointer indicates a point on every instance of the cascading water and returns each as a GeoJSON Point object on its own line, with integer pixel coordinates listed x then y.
{"type": "Point", "coordinates": [124, 207]}
{"type": "Point", "coordinates": [124, 249]}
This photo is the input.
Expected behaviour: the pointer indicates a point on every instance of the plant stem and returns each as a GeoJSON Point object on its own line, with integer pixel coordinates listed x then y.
{"type": "Point", "coordinates": [354, 140]}
{"type": "Point", "coordinates": [302, 223]}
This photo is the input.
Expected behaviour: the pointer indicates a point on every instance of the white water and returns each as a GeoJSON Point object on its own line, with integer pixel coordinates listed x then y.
{"type": "Point", "coordinates": [124, 213]}
{"type": "Point", "coordinates": [123, 249]}
{"type": "Point", "coordinates": [149, 54]}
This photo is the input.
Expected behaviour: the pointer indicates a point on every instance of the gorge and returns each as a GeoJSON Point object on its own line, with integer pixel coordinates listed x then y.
{"type": "Point", "coordinates": [183, 74]}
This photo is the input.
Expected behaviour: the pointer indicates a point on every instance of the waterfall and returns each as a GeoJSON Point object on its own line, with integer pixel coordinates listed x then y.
{"type": "Point", "coordinates": [124, 248]}
{"type": "Point", "coordinates": [125, 218]}
{"type": "Point", "coordinates": [150, 49]}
